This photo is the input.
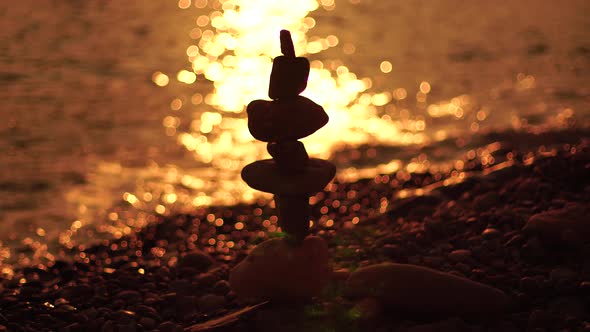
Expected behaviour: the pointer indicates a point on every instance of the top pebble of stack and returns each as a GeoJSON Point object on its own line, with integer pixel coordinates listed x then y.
{"type": "Point", "coordinates": [289, 73]}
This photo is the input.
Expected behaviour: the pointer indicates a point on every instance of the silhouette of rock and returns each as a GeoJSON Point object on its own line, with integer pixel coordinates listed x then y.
{"type": "Point", "coordinates": [286, 119]}
{"type": "Point", "coordinates": [290, 156]}
{"type": "Point", "coordinates": [278, 271]}
{"type": "Point", "coordinates": [420, 290]}
{"type": "Point", "coordinates": [264, 175]}
{"type": "Point", "coordinates": [288, 77]}
{"type": "Point", "coordinates": [289, 73]}
{"type": "Point", "coordinates": [196, 259]}
{"type": "Point", "coordinates": [554, 224]}
{"type": "Point", "coordinates": [293, 213]}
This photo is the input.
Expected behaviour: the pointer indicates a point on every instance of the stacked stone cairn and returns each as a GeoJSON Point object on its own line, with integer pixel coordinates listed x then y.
{"type": "Point", "coordinates": [292, 176]}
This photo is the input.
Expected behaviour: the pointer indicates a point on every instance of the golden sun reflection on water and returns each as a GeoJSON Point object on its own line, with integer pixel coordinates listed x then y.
{"type": "Point", "coordinates": [230, 63]}
{"type": "Point", "coordinates": [234, 48]}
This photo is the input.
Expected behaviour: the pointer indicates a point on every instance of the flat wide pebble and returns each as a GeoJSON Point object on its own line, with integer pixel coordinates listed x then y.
{"type": "Point", "coordinates": [421, 290]}
{"type": "Point", "coordinates": [265, 175]}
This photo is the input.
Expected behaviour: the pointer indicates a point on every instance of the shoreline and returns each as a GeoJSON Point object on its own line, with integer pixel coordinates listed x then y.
{"type": "Point", "coordinates": [172, 275]}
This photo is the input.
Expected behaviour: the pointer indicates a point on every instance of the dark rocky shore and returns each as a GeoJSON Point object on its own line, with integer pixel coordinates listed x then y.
{"type": "Point", "coordinates": [503, 228]}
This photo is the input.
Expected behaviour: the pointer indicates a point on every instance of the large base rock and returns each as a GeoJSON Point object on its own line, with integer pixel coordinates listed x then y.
{"type": "Point", "coordinates": [418, 290]}
{"type": "Point", "coordinates": [278, 271]}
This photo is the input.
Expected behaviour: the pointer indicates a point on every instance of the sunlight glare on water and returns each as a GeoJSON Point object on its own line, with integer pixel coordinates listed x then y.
{"type": "Point", "coordinates": [234, 47]}
{"type": "Point", "coordinates": [236, 53]}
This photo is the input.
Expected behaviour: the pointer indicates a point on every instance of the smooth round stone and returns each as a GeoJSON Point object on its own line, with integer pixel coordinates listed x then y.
{"type": "Point", "coordinates": [290, 156]}
{"type": "Point", "coordinates": [421, 290]}
{"type": "Point", "coordinates": [196, 259]}
{"type": "Point", "coordinates": [264, 175]}
{"type": "Point", "coordinates": [278, 271]}
{"type": "Point", "coordinates": [551, 224]}
{"type": "Point", "coordinates": [285, 119]}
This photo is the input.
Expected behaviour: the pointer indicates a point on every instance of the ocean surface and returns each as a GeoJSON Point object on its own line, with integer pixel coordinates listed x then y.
{"type": "Point", "coordinates": [114, 112]}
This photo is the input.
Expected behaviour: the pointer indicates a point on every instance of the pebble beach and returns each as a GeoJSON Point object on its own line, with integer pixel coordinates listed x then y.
{"type": "Point", "coordinates": [169, 277]}
{"type": "Point", "coordinates": [462, 157]}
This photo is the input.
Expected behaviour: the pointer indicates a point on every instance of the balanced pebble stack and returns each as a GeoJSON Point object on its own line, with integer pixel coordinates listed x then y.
{"type": "Point", "coordinates": [295, 267]}
{"type": "Point", "coordinates": [290, 175]}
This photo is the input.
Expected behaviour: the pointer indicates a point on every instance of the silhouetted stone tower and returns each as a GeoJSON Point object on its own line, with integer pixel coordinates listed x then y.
{"type": "Point", "coordinates": [290, 175]}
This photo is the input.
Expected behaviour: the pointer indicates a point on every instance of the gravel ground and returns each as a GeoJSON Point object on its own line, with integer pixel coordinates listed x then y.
{"type": "Point", "coordinates": [173, 274]}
